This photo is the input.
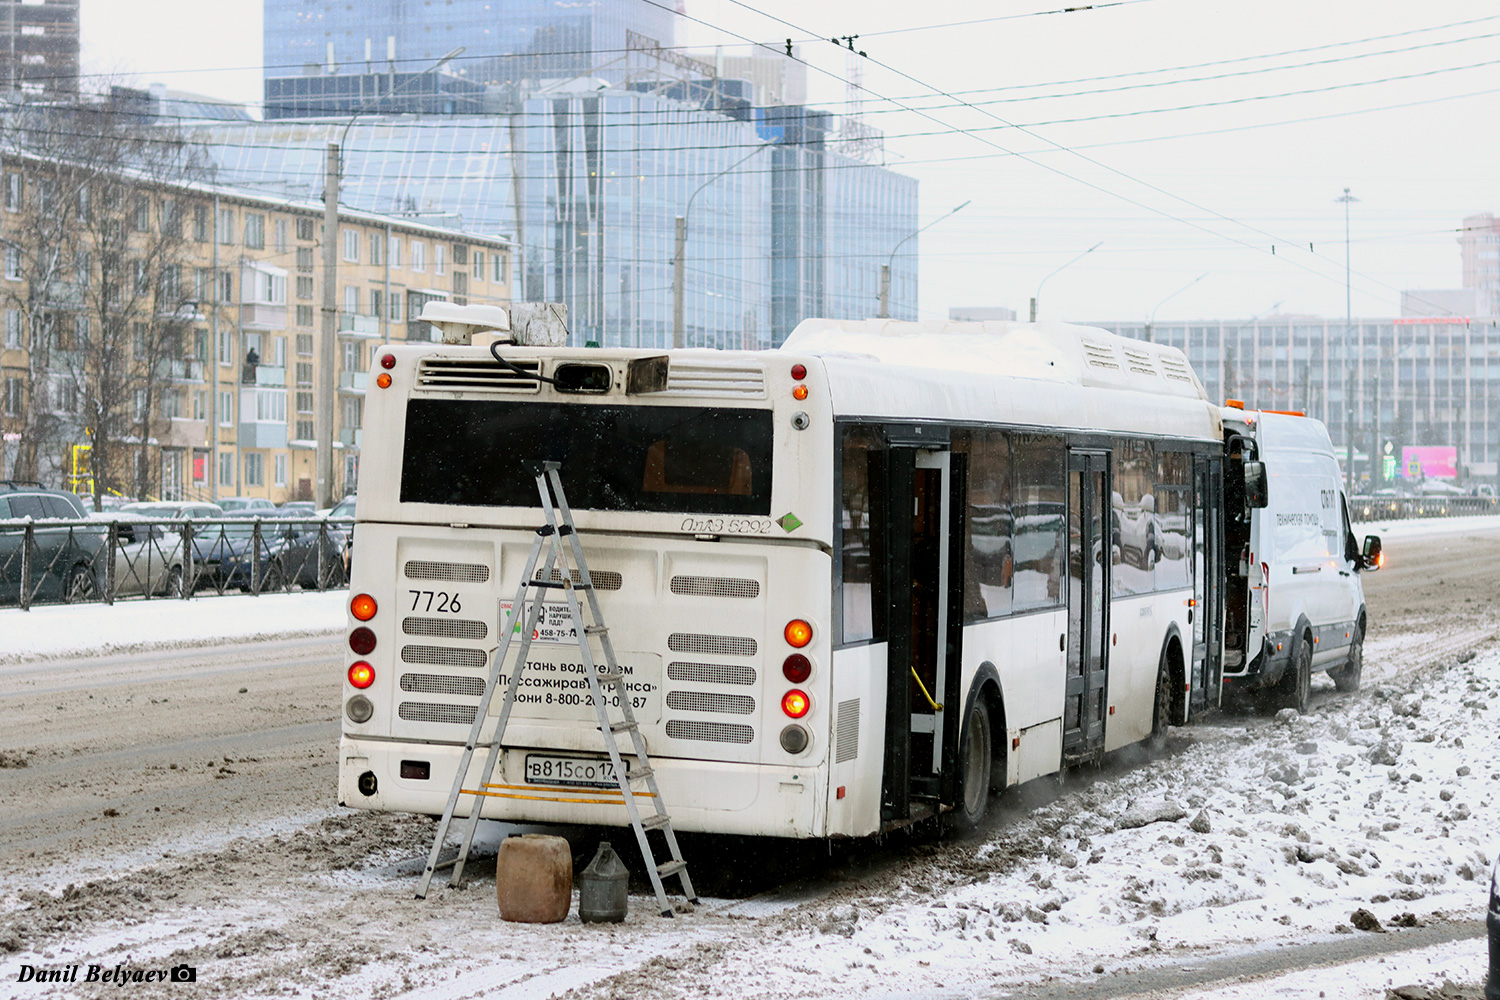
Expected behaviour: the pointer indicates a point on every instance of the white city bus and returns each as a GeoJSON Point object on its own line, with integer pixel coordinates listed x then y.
{"type": "Point", "coordinates": [863, 579]}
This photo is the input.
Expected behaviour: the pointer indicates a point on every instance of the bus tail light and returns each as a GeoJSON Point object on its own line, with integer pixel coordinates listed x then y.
{"type": "Point", "coordinates": [362, 607]}
{"type": "Point", "coordinates": [383, 380]}
{"type": "Point", "coordinates": [799, 372]}
{"type": "Point", "coordinates": [359, 709]}
{"type": "Point", "coordinates": [798, 633]}
{"type": "Point", "coordinates": [362, 641]}
{"type": "Point", "coordinates": [795, 703]}
{"type": "Point", "coordinates": [387, 361]}
{"type": "Point", "coordinates": [799, 392]}
{"type": "Point", "coordinates": [361, 674]}
{"type": "Point", "coordinates": [796, 668]}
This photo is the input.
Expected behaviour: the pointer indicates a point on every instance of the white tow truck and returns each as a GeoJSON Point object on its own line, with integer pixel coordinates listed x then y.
{"type": "Point", "coordinates": [1294, 602]}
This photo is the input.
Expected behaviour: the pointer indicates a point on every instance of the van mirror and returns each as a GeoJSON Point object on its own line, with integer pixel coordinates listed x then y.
{"type": "Point", "coordinates": [1371, 559]}
{"type": "Point", "coordinates": [1255, 485]}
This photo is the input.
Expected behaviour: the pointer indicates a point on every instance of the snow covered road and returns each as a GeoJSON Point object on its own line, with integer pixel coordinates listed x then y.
{"type": "Point", "coordinates": [1247, 851]}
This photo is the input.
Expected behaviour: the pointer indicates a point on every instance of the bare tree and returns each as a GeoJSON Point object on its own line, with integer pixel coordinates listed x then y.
{"type": "Point", "coordinates": [98, 257]}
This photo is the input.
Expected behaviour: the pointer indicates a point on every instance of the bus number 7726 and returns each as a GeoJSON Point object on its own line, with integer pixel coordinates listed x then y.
{"type": "Point", "coordinates": [446, 602]}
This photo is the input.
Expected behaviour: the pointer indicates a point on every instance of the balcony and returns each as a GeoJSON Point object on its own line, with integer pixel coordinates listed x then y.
{"type": "Point", "coordinates": [184, 371]}
{"type": "Point", "coordinates": [262, 434]}
{"type": "Point", "coordinates": [181, 432]}
{"type": "Point", "coordinates": [353, 382]}
{"type": "Point", "coordinates": [63, 294]}
{"type": "Point", "coordinates": [357, 325]}
{"type": "Point", "coordinates": [267, 375]}
{"type": "Point", "coordinates": [263, 316]}
{"type": "Point", "coordinates": [351, 437]}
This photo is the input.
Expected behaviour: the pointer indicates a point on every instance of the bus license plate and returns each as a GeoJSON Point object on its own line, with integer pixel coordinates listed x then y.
{"type": "Point", "coordinates": [578, 772]}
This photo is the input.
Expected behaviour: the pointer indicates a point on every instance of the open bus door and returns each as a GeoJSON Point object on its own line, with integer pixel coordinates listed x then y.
{"type": "Point", "coordinates": [1206, 672]}
{"type": "Point", "coordinates": [918, 515]}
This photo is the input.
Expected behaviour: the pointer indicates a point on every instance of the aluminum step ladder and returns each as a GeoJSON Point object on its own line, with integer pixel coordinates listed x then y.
{"type": "Point", "coordinates": [564, 558]}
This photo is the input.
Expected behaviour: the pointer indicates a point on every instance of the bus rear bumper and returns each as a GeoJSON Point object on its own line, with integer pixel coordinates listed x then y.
{"type": "Point", "coordinates": [713, 796]}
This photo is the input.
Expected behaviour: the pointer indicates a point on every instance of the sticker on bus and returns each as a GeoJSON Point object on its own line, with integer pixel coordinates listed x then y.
{"type": "Point", "coordinates": [554, 625]}
{"type": "Point", "coordinates": [555, 685]}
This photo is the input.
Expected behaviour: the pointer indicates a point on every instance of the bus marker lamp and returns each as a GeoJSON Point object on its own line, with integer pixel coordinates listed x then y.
{"type": "Point", "coordinates": [383, 380]}
{"type": "Point", "coordinates": [362, 607]}
{"type": "Point", "coordinates": [794, 739]}
{"type": "Point", "coordinates": [387, 361]}
{"type": "Point", "coordinates": [798, 632]}
{"type": "Point", "coordinates": [361, 674]}
{"type": "Point", "coordinates": [797, 668]}
{"type": "Point", "coordinates": [799, 392]}
{"type": "Point", "coordinates": [799, 372]}
{"type": "Point", "coordinates": [795, 703]}
{"type": "Point", "coordinates": [362, 641]}
{"type": "Point", "coordinates": [359, 709]}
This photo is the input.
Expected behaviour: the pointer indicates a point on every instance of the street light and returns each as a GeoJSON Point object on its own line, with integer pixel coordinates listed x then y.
{"type": "Point", "coordinates": [1349, 375]}
{"type": "Point", "coordinates": [1152, 321]}
{"type": "Point", "coordinates": [679, 337]}
{"type": "Point", "coordinates": [885, 269]}
{"type": "Point", "coordinates": [327, 352]}
{"type": "Point", "coordinates": [1069, 264]}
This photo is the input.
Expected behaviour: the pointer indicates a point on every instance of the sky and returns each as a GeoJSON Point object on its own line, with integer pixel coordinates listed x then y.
{"type": "Point", "coordinates": [1185, 138]}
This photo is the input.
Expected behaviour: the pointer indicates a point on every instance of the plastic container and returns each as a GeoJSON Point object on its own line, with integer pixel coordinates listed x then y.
{"type": "Point", "coordinates": [602, 896]}
{"type": "Point", "coordinates": [534, 879]}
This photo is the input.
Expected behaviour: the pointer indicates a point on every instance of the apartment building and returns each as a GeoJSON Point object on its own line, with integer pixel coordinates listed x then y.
{"type": "Point", "coordinates": [222, 346]}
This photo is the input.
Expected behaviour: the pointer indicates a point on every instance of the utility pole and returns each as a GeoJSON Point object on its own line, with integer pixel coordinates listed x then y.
{"type": "Point", "coordinates": [885, 290]}
{"type": "Point", "coordinates": [679, 335]}
{"type": "Point", "coordinates": [1348, 355]}
{"type": "Point", "coordinates": [214, 416]}
{"type": "Point", "coordinates": [327, 353]}
{"type": "Point", "coordinates": [1069, 264]}
{"type": "Point", "coordinates": [885, 269]}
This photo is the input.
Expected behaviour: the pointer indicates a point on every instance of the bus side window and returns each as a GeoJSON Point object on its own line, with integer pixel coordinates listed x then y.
{"type": "Point", "coordinates": [990, 565]}
{"type": "Point", "coordinates": [1040, 519]}
{"type": "Point", "coordinates": [857, 545]}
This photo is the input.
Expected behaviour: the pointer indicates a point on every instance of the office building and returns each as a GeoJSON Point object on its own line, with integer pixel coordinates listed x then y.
{"type": "Point", "coordinates": [39, 46]}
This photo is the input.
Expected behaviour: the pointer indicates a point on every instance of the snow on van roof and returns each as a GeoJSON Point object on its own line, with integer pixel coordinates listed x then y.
{"type": "Point", "coordinates": [1054, 352]}
{"type": "Point", "coordinates": [1281, 432]}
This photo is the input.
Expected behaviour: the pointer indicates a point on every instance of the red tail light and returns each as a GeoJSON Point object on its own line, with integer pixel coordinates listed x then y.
{"type": "Point", "coordinates": [795, 703]}
{"type": "Point", "coordinates": [797, 668]}
{"type": "Point", "coordinates": [361, 674]}
{"type": "Point", "coordinates": [362, 641]}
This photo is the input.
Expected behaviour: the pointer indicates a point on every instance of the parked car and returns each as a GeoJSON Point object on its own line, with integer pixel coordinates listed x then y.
{"type": "Point", "coordinates": [245, 503]}
{"type": "Point", "coordinates": [301, 506]}
{"type": "Point", "coordinates": [288, 552]}
{"type": "Point", "coordinates": [148, 555]}
{"type": "Point", "coordinates": [176, 510]}
{"type": "Point", "coordinates": [66, 560]}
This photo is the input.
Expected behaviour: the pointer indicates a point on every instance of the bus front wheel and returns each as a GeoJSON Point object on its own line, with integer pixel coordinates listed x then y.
{"type": "Point", "coordinates": [976, 757]}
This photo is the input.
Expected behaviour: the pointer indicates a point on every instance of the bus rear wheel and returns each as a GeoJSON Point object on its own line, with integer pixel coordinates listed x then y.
{"type": "Point", "coordinates": [976, 755]}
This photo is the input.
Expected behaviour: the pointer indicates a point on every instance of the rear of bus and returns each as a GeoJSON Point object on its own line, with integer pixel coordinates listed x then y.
{"type": "Point", "coordinates": [705, 514]}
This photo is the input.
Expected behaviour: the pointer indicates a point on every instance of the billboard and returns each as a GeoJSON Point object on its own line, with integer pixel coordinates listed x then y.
{"type": "Point", "coordinates": [1430, 462]}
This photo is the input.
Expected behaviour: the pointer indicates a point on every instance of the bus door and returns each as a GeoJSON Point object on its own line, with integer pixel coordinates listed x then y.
{"type": "Point", "coordinates": [1207, 669]}
{"type": "Point", "coordinates": [923, 538]}
{"type": "Point", "coordinates": [1089, 558]}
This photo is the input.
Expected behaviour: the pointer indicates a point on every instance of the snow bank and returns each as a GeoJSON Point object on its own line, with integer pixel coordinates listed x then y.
{"type": "Point", "coordinates": [139, 626]}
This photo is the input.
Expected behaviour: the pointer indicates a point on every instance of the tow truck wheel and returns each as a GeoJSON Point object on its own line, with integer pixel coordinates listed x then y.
{"type": "Point", "coordinates": [1346, 678]}
{"type": "Point", "coordinates": [1295, 689]}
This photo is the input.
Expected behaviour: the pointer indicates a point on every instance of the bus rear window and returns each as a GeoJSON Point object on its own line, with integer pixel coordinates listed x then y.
{"type": "Point", "coordinates": [674, 459]}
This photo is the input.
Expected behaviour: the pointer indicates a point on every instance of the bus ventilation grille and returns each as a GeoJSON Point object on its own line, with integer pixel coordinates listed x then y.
{"type": "Point", "coordinates": [421, 711]}
{"type": "Point", "coordinates": [711, 701]}
{"type": "Point", "coordinates": [470, 375]}
{"type": "Point", "coordinates": [422, 569]}
{"type": "Point", "coordinates": [713, 645]}
{"type": "Point", "coordinates": [444, 656]}
{"type": "Point", "coordinates": [469, 687]}
{"type": "Point", "coordinates": [711, 673]}
{"type": "Point", "coordinates": [1140, 361]}
{"type": "Point", "coordinates": [704, 379]}
{"type": "Point", "coordinates": [713, 732]}
{"type": "Point", "coordinates": [604, 579]}
{"type": "Point", "coordinates": [445, 628]}
{"type": "Point", "coordinates": [715, 586]}
{"type": "Point", "coordinates": [1100, 355]}
{"type": "Point", "coordinates": [1176, 369]}
{"type": "Point", "coordinates": [846, 746]}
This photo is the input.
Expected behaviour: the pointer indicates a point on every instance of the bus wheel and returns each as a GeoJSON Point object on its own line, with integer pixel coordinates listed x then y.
{"type": "Point", "coordinates": [975, 758]}
{"type": "Point", "coordinates": [1295, 689]}
{"type": "Point", "coordinates": [1346, 678]}
{"type": "Point", "coordinates": [1161, 715]}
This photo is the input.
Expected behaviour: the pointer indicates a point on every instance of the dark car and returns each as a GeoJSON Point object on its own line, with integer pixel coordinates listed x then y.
{"type": "Point", "coordinates": [1492, 921]}
{"type": "Point", "coordinates": [66, 558]}
{"type": "Point", "coordinates": [288, 553]}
